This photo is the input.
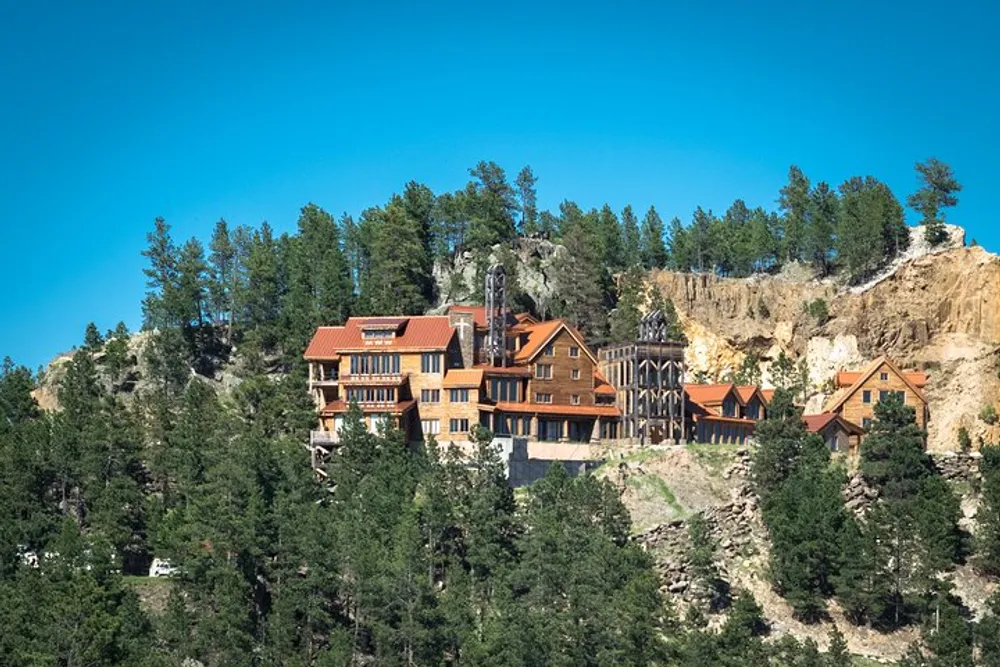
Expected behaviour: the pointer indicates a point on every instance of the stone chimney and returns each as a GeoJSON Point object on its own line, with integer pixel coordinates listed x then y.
{"type": "Point", "coordinates": [466, 327]}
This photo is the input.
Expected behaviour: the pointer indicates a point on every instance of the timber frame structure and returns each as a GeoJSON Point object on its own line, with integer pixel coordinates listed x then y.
{"type": "Point", "coordinates": [649, 377]}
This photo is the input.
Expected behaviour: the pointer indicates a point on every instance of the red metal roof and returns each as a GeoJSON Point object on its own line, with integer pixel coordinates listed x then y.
{"type": "Point", "coordinates": [818, 423]}
{"type": "Point", "coordinates": [602, 386]}
{"type": "Point", "coordinates": [478, 313]}
{"type": "Point", "coordinates": [746, 392]}
{"type": "Point", "coordinates": [709, 394]}
{"type": "Point", "coordinates": [561, 409]}
{"type": "Point", "coordinates": [424, 332]}
{"type": "Point", "coordinates": [463, 377]}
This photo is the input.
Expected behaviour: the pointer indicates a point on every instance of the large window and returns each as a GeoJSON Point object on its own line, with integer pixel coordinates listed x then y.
{"type": "Point", "coordinates": [371, 395]}
{"type": "Point", "coordinates": [543, 371]}
{"type": "Point", "coordinates": [504, 389]}
{"type": "Point", "coordinates": [458, 395]}
{"type": "Point", "coordinates": [459, 426]}
{"type": "Point", "coordinates": [430, 362]}
{"type": "Point", "coordinates": [430, 395]}
{"type": "Point", "coordinates": [374, 364]}
{"type": "Point", "coordinates": [430, 426]}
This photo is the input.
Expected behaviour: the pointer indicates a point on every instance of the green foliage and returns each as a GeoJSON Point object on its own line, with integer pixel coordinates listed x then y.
{"type": "Point", "coordinates": [964, 441]}
{"type": "Point", "coordinates": [989, 414]}
{"type": "Point", "coordinates": [749, 371]}
{"type": "Point", "coordinates": [818, 310]}
{"type": "Point", "coordinates": [794, 203]}
{"type": "Point", "coordinates": [870, 229]}
{"type": "Point", "coordinates": [652, 249]}
{"type": "Point", "coordinates": [988, 536]}
{"type": "Point", "coordinates": [937, 191]}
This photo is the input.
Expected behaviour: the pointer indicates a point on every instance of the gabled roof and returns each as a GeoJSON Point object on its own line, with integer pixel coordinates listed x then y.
{"type": "Point", "coordinates": [767, 395]}
{"type": "Point", "coordinates": [868, 373]}
{"type": "Point", "coordinates": [413, 334]}
{"type": "Point", "coordinates": [525, 318]}
{"type": "Point", "coordinates": [747, 391]}
{"type": "Point", "coordinates": [710, 394]}
{"type": "Point", "coordinates": [819, 423]}
{"type": "Point", "coordinates": [601, 386]}
{"type": "Point", "coordinates": [539, 335]}
{"type": "Point", "coordinates": [463, 377]}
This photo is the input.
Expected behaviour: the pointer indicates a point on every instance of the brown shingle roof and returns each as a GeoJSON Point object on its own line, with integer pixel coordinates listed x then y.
{"type": "Point", "coordinates": [746, 392]}
{"type": "Point", "coordinates": [424, 332]}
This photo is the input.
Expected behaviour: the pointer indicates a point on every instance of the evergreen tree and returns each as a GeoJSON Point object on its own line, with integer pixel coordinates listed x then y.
{"type": "Point", "coordinates": [222, 275]}
{"type": "Point", "coordinates": [699, 240]}
{"type": "Point", "coordinates": [610, 240]}
{"type": "Point", "coordinates": [624, 319]}
{"type": "Point", "coordinates": [819, 241]}
{"type": "Point", "coordinates": [397, 269]}
{"type": "Point", "coordinates": [527, 200]}
{"type": "Point", "coordinates": [92, 339]}
{"type": "Point", "coordinates": [937, 190]}
{"type": "Point", "coordinates": [652, 248]}
{"type": "Point", "coordinates": [631, 242]}
{"type": "Point", "coordinates": [794, 204]}
{"type": "Point", "coordinates": [491, 204]}
{"type": "Point", "coordinates": [870, 228]}
{"type": "Point", "coordinates": [988, 536]}
{"type": "Point", "coordinates": [679, 252]}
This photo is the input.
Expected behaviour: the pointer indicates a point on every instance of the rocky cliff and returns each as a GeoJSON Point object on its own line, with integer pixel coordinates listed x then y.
{"type": "Point", "coordinates": [938, 311]}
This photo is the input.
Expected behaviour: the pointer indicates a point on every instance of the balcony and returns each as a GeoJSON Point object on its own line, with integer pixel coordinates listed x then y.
{"type": "Point", "coordinates": [382, 379]}
{"type": "Point", "coordinates": [323, 438]}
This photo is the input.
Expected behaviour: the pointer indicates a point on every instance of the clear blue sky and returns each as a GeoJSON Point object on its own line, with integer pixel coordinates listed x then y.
{"type": "Point", "coordinates": [196, 111]}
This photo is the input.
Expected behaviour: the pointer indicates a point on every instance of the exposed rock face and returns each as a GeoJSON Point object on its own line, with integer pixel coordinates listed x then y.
{"type": "Point", "coordinates": [939, 311]}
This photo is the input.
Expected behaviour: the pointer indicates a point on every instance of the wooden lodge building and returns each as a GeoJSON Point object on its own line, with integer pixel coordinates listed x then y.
{"type": "Point", "coordinates": [858, 392]}
{"type": "Point", "coordinates": [429, 375]}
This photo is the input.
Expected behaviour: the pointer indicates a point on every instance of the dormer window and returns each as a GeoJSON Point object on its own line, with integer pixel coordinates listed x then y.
{"type": "Point", "coordinates": [378, 334]}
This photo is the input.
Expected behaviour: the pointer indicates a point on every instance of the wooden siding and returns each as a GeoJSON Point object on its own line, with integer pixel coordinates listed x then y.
{"type": "Point", "coordinates": [562, 385]}
{"type": "Point", "coordinates": [856, 411]}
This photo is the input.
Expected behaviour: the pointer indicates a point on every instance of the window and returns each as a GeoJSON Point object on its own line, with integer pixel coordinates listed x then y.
{"type": "Point", "coordinates": [377, 334]}
{"type": "Point", "coordinates": [574, 399]}
{"type": "Point", "coordinates": [430, 395]}
{"type": "Point", "coordinates": [430, 426]}
{"type": "Point", "coordinates": [543, 371]}
{"type": "Point", "coordinates": [866, 423]}
{"type": "Point", "coordinates": [543, 398]}
{"type": "Point", "coordinates": [504, 389]}
{"type": "Point", "coordinates": [574, 351]}
{"type": "Point", "coordinates": [883, 394]}
{"type": "Point", "coordinates": [866, 397]}
{"type": "Point", "coordinates": [430, 362]}
{"type": "Point", "coordinates": [374, 364]}
{"type": "Point", "coordinates": [548, 351]}
{"type": "Point", "coordinates": [459, 426]}
{"type": "Point", "coordinates": [574, 374]}
{"type": "Point", "coordinates": [459, 395]}
{"type": "Point", "coordinates": [371, 395]}
{"type": "Point", "coordinates": [883, 377]}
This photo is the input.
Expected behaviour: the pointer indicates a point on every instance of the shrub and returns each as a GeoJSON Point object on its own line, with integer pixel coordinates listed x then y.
{"type": "Point", "coordinates": [988, 414]}
{"type": "Point", "coordinates": [964, 441]}
{"type": "Point", "coordinates": [818, 309]}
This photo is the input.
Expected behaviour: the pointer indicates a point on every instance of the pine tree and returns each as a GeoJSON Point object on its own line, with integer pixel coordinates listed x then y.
{"type": "Point", "coordinates": [159, 306]}
{"type": "Point", "coordinates": [397, 269]}
{"type": "Point", "coordinates": [490, 205]}
{"type": "Point", "coordinates": [819, 242]}
{"type": "Point", "coordinates": [527, 200]}
{"type": "Point", "coordinates": [222, 275]}
{"type": "Point", "coordinates": [610, 233]}
{"type": "Point", "coordinates": [988, 536]}
{"type": "Point", "coordinates": [631, 243]}
{"type": "Point", "coordinates": [583, 286]}
{"type": "Point", "coordinates": [652, 248]}
{"type": "Point", "coordinates": [699, 240]}
{"type": "Point", "coordinates": [624, 319]}
{"type": "Point", "coordinates": [794, 205]}
{"type": "Point", "coordinates": [679, 251]}
{"type": "Point", "coordinates": [92, 339]}
{"type": "Point", "coordinates": [937, 190]}
{"type": "Point", "coordinates": [837, 655]}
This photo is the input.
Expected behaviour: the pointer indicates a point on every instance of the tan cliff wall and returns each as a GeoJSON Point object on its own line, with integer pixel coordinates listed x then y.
{"type": "Point", "coordinates": [938, 311]}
